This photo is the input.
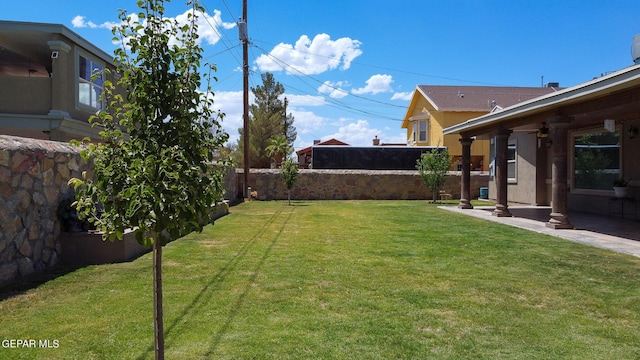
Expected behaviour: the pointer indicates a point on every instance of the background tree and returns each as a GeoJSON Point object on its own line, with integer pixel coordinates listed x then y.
{"type": "Point", "coordinates": [433, 167]}
{"type": "Point", "coordinates": [278, 148]}
{"type": "Point", "coordinates": [161, 178]}
{"type": "Point", "coordinates": [267, 118]}
{"type": "Point", "coordinates": [289, 174]}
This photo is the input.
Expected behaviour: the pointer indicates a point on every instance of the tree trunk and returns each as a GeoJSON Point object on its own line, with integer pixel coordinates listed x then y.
{"type": "Point", "coordinates": [289, 196]}
{"type": "Point", "coordinates": [158, 323]}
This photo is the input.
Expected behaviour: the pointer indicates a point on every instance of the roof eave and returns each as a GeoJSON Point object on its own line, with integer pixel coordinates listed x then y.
{"type": "Point", "coordinates": [606, 83]}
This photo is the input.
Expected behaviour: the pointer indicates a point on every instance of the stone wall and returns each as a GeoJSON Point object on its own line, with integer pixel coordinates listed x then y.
{"type": "Point", "coordinates": [33, 181]}
{"type": "Point", "coordinates": [314, 184]}
{"type": "Point", "coordinates": [34, 175]}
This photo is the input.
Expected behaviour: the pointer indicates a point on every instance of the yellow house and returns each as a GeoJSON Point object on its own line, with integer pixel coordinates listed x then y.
{"type": "Point", "coordinates": [435, 107]}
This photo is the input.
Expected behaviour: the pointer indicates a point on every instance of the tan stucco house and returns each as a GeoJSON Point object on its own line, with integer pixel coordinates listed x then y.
{"type": "Point", "coordinates": [564, 149]}
{"type": "Point", "coordinates": [46, 85]}
{"type": "Point", "coordinates": [435, 107]}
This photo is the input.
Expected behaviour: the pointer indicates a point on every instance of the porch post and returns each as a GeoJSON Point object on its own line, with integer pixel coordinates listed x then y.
{"type": "Point", "coordinates": [62, 82]}
{"type": "Point", "coordinates": [502, 140]}
{"type": "Point", "coordinates": [465, 179]}
{"type": "Point", "coordinates": [559, 130]}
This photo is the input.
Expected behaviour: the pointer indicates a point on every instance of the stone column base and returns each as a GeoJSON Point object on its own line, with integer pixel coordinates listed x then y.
{"type": "Point", "coordinates": [465, 204]}
{"type": "Point", "coordinates": [559, 221]}
{"type": "Point", "coordinates": [501, 211]}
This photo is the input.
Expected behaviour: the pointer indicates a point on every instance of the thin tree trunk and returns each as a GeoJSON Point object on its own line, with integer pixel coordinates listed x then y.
{"type": "Point", "coordinates": [289, 196]}
{"type": "Point", "coordinates": [158, 323]}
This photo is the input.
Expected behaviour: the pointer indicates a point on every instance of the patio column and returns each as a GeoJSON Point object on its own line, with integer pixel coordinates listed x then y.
{"type": "Point", "coordinates": [559, 130]}
{"type": "Point", "coordinates": [502, 140]}
{"type": "Point", "coordinates": [465, 178]}
{"type": "Point", "coordinates": [62, 81]}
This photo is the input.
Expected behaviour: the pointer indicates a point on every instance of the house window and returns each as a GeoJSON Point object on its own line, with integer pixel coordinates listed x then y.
{"type": "Point", "coordinates": [596, 159]}
{"type": "Point", "coordinates": [422, 135]}
{"type": "Point", "coordinates": [414, 133]}
{"type": "Point", "coordinates": [512, 155]}
{"type": "Point", "coordinates": [89, 86]}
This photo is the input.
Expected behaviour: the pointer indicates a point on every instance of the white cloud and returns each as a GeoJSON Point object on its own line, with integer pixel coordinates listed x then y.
{"type": "Point", "coordinates": [333, 89]}
{"type": "Point", "coordinates": [209, 26]}
{"type": "Point", "coordinates": [305, 100]}
{"type": "Point", "coordinates": [307, 122]}
{"type": "Point", "coordinates": [311, 57]}
{"type": "Point", "coordinates": [230, 103]}
{"type": "Point", "coordinates": [375, 85]}
{"type": "Point", "coordinates": [79, 22]}
{"type": "Point", "coordinates": [356, 134]}
{"type": "Point", "coordinates": [402, 96]}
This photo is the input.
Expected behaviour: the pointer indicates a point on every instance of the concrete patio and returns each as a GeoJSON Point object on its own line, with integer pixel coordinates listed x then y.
{"type": "Point", "coordinates": [612, 233]}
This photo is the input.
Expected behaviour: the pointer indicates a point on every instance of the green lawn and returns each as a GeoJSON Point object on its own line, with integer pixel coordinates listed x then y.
{"type": "Point", "coordinates": [344, 280]}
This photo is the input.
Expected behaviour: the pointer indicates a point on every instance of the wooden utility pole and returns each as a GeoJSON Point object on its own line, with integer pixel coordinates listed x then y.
{"type": "Point", "coordinates": [244, 37]}
{"type": "Point", "coordinates": [286, 102]}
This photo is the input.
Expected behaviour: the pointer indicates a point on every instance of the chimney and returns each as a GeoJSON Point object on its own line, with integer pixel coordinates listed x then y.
{"type": "Point", "coordinates": [376, 141]}
{"type": "Point", "coordinates": [315, 142]}
{"type": "Point", "coordinates": [635, 49]}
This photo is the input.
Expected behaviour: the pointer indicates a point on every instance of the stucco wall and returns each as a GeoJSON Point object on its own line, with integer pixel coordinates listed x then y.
{"type": "Point", "coordinates": [25, 95]}
{"type": "Point", "coordinates": [316, 184]}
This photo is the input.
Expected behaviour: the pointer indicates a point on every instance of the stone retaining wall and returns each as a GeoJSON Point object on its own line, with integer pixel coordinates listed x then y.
{"type": "Point", "coordinates": [316, 184]}
{"type": "Point", "coordinates": [33, 181]}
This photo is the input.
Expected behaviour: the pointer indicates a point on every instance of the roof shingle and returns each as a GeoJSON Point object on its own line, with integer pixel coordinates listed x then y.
{"type": "Point", "coordinates": [479, 98]}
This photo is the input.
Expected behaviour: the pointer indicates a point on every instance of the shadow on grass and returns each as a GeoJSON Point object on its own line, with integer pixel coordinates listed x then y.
{"type": "Point", "coordinates": [300, 203]}
{"type": "Point", "coordinates": [241, 298]}
{"type": "Point", "coordinates": [216, 280]}
{"type": "Point", "coordinates": [22, 285]}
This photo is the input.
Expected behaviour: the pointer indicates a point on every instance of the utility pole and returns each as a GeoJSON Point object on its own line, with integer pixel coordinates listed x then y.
{"type": "Point", "coordinates": [286, 102]}
{"type": "Point", "coordinates": [244, 37]}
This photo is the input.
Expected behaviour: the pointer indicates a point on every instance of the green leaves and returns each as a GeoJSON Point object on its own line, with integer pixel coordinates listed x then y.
{"type": "Point", "coordinates": [289, 174]}
{"type": "Point", "coordinates": [433, 167]}
{"type": "Point", "coordinates": [153, 171]}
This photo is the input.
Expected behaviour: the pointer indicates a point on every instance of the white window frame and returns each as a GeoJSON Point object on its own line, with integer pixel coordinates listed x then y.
{"type": "Point", "coordinates": [414, 134]}
{"type": "Point", "coordinates": [422, 123]}
{"type": "Point", "coordinates": [512, 162]}
{"type": "Point", "coordinates": [95, 88]}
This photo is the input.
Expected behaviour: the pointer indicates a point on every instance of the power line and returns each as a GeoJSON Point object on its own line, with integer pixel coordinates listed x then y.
{"type": "Point", "coordinates": [285, 64]}
{"type": "Point", "coordinates": [332, 102]}
{"type": "Point", "coordinates": [393, 70]}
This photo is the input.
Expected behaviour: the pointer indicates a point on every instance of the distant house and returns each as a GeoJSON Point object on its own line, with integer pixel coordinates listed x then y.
{"type": "Point", "coordinates": [433, 108]}
{"type": "Point", "coordinates": [304, 155]}
{"type": "Point", "coordinates": [46, 85]}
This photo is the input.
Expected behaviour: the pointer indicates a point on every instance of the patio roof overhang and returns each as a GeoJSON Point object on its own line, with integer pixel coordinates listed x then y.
{"type": "Point", "coordinates": [613, 96]}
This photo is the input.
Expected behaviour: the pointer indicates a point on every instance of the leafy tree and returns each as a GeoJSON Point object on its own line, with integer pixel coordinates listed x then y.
{"type": "Point", "coordinates": [278, 148]}
{"type": "Point", "coordinates": [267, 118]}
{"type": "Point", "coordinates": [155, 171]}
{"type": "Point", "coordinates": [289, 174]}
{"type": "Point", "coordinates": [433, 167]}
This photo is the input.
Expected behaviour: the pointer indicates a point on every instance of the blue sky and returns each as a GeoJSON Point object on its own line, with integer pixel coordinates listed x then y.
{"type": "Point", "coordinates": [349, 67]}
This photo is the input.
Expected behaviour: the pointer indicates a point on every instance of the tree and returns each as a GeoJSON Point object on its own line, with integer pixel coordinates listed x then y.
{"type": "Point", "coordinates": [289, 174]}
{"type": "Point", "coordinates": [278, 148]}
{"type": "Point", "coordinates": [155, 171]}
{"type": "Point", "coordinates": [433, 167]}
{"type": "Point", "coordinates": [267, 118]}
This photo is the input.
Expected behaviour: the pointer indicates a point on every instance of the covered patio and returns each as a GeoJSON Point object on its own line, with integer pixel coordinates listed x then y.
{"type": "Point", "coordinates": [537, 146]}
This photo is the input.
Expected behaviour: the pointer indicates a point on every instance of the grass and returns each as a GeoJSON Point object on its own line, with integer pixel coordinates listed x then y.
{"type": "Point", "coordinates": [344, 280]}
